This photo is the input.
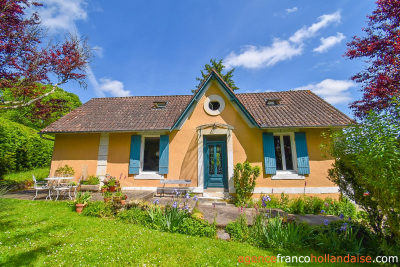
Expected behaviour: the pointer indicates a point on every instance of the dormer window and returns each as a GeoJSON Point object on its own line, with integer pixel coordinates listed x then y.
{"type": "Point", "coordinates": [272, 101]}
{"type": "Point", "coordinates": [159, 104]}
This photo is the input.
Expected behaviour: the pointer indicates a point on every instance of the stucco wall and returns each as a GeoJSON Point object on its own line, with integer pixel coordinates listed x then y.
{"type": "Point", "coordinates": [76, 150]}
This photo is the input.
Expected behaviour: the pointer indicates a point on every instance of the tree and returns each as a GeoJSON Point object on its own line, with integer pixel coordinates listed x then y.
{"type": "Point", "coordinates": [218, 67]}
{"type": "Point", "coordinates": [27, 65]}
{"type": "Point", "coordinates": [367, 168]}
{"type": "Point", "coordinates": [45, 111]}
{"type": "Point", "coordinates": [380, 80]}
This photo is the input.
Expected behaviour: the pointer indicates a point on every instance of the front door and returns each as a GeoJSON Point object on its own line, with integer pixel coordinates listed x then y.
{"type": "Point", "coordinates": [215, 162]}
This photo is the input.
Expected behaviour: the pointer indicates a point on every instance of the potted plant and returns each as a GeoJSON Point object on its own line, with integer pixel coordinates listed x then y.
{"type": "Point", "coordinates": [81, 200]}
{"type": "Point", "coordinates": [123, 199]}
{"type": "Point", "coordinates": [111, 185]}
{"type": "Point", "coordinates": [107, 196]}
{"type": "Point", "coordinates": [104, 188]}
{"type": "Point", "coordinates": [92, 183]}
{"type": "Point", "coordinates": [118, 196]}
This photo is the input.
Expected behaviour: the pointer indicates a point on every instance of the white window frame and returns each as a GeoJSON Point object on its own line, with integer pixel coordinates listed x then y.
{"type": "Point", "coordinates": [154, 175]}
{"type": "Point", "coordinates": [287, 174]}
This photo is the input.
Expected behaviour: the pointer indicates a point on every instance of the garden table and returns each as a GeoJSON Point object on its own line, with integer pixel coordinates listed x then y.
{"type": "Point", "coordinates": [54, 184]}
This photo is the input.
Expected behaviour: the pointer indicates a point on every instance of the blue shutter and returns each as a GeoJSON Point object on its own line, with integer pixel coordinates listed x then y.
{"type": "Point", "coordinates": [302, 153]}
{"type": "Point", "coordinates": [269, 153]}
{"type": "Point", "coordinates": [134, 158]}
{"type": "Point", "coordinates": [164, 154]}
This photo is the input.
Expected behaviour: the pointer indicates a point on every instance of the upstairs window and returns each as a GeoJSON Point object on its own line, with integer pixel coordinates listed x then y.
{"type": "Point", "coordinates": [272, 101]}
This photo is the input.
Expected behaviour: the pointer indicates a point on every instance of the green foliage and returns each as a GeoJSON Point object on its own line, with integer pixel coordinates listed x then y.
{"type": "Point", "coordinates": [82, 198]}
{"type": "Point", "coordinates": [64, 171]}
{"type": "Point", "coordinates": [196, 227]}
{"type": "Point", "coordinates": [218, 66]}
{"type": "Point", "coordinates": [285, 235]}
{"type": "Point", "coordinates": [20, 177]}
{"type": "Point", "coordinates": [167, 218]}
{"type": "Point", "coordinates": [239, 230]}
{"type": "Point", "coordinates": [344, 237]}
{"type": "Point", "coordinates": [134, 215]}
{"type": "Point", "coordinates": [57, 105]}
{"type": "Point", "coordinates": [98, 209]}
{"type": "Point", "coordinates": [91, 180]}
{"type": "Point", "coordinates": [107, 194]}
{"type": "Point", "coordinates": [21, 148]}
{"type": "Point", "coordinates": [244, 179]}
{"type": "Point", "coordinates": [367, 168]}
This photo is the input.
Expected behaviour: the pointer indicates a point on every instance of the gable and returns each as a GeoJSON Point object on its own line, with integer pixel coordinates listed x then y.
{"type": "Point", "coordinates": [221, 89]}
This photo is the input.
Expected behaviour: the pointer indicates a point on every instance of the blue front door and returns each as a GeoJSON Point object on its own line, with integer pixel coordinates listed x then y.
{"type": "Point", "coordinates": [215, 162]}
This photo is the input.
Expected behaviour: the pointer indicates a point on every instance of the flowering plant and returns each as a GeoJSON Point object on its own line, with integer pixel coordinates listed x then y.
{"type": "Point", "coordinates": [124, 197]}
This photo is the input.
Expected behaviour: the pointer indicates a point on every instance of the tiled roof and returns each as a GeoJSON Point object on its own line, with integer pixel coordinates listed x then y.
{"type": "Point", "coordinates": [135, 113]}
{"type": "Point", "coordinates": [296, 108]}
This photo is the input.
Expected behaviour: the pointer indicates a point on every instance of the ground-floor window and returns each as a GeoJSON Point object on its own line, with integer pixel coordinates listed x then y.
{"type": "Point", "coordinates": [283, 152]}
{"type": "Point", "coordinates": [151, 155]}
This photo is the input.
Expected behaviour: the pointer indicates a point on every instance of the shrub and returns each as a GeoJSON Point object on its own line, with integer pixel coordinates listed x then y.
{"type": "Point", "coordinates": [167, 218]}
{"type": "Point", "coordinates": [134, 215]}
{"type": "Point", "coordinates": [244, 179]}
{"type": "Point", "coordinates": [21, 148]}
{"type": "Point", "coordinates": [196, 227]}
{"type": "Point", "coordinates": [239, 230]}
{"type": "Point", "coordinates": [367, 168]}
{"type": "Point", "coordinates": [285, 235]}
{"type": "Point", "coordinates": [98, 209]}
{"type": "Point", "coordinates": [91, 180]}
{"type": "Point", "coordinates": [64, 171]}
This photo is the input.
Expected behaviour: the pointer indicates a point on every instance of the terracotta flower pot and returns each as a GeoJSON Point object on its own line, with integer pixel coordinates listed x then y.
{"type": "Point", "coordinates": [79, 207]}
{"type": "Point", "coordinates": [123, 201]}
{"type": "Point", "coordinates": [111, 188]}
{"type": "Point", "coordinates": [107, 199]}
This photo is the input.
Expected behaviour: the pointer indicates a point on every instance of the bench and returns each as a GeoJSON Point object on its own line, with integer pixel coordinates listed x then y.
{"type": "Point", "coordinates": [162, 190]}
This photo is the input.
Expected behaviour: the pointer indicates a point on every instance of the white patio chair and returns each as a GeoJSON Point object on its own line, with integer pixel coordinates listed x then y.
{"type": "Point", "coordinates": [75, 187]}
{"type": "Point", "coordinates": [39, 186]}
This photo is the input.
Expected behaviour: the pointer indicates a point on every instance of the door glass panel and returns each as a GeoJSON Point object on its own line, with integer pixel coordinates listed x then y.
{"type": "Point", "coordinates": [288, 152]}
{"type": "Point", "coordinates": [211, 160]}
{"type": "Point", "coordinates": [219, 159]}
{"type": "Point", "coordinates": [278, 152]}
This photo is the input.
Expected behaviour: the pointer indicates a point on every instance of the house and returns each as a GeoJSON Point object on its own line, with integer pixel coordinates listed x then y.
{"type": "Point", "coordinates": [200, 137]}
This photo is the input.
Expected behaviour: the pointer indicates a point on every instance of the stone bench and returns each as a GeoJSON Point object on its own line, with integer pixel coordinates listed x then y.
{"type": "Point", "coordinates": [169, 190]}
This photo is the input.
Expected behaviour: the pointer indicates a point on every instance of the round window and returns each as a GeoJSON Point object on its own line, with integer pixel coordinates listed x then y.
{"type": "Point", "coordinates": [214, 105]}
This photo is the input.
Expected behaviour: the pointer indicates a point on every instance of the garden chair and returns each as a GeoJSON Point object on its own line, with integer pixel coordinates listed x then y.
{"type": "Point", "coordinates": [38, 186]}
{"type": "Point", "coordinates": [75, 187]}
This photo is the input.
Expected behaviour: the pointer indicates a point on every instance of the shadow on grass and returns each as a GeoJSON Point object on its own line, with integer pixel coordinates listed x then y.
{"type": "Point", "coordinates": [26, 258]}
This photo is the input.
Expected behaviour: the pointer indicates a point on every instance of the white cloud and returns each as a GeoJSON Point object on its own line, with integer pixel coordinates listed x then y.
{"type": "Point", "coordinates": [61, 14]}
{"type": "Point", "coordinates": [291, 10]}
{"type": "Point", "coordinates": [266, 56]}
{"type": "Point", "coordinates": [113, 87]}
{"type": "Point", "coordinates": [328, 42]}
{"type": "Point", "coordinates": [332, 91]}
{"type": "Point", "coordinates": [324, 21]}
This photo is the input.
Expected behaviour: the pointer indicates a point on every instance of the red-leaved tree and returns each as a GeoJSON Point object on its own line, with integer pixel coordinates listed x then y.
{"type": "Point", "coordinates": [27, 65]}
{"type": "Point", "coordinates": [380, 80]}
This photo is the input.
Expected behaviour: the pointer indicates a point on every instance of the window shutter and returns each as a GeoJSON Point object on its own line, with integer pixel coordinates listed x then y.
{"type": "Point", "coordinates": [302, 153]}
{"type": "Point", "coordinates": [134, 158]}
{"type": "Point", "coordinates": [269, 153]}
{"type": "Point", "coordinates": [164, 154]}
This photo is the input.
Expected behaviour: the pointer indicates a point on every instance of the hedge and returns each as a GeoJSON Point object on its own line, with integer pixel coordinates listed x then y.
{"type": "Point", "coordinates": [21, 148]}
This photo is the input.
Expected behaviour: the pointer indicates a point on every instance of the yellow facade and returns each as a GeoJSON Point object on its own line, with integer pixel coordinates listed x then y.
{"type": "Point", "coordinates": [82, 149]}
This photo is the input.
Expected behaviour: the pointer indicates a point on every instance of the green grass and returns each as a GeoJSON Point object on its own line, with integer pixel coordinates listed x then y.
{"type": "Point", "coordinates": [38, 233]}
{"type": "Point", "coordinates": [39, 173]}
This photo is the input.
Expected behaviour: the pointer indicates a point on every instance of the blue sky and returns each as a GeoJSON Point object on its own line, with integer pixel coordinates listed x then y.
{"type": "Point", "coordinates": [159, 47]}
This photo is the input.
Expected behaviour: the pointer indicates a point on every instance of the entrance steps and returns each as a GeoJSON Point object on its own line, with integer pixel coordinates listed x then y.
{"type": "Point", "coordinates": [215, 193]}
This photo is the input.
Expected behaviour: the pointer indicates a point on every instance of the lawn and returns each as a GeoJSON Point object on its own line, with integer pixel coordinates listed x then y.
{"type": "Point", "coordinates": [49, 233]}
{"type": "Point", "coordinates": [40, 174]}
